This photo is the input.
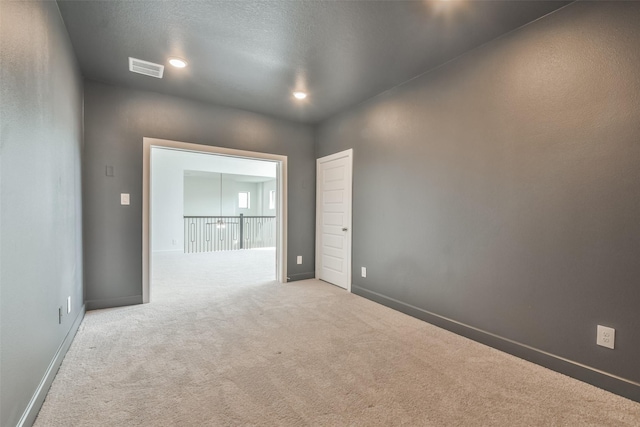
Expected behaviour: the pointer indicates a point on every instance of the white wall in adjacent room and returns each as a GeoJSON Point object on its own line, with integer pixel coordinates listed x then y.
{"type": "Point", "coordinates": [202, 195]}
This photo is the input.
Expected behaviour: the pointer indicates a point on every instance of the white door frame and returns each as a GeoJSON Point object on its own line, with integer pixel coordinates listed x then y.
{"type": "Point", "coordinates": [281, 203]}
{"type": "Point", "coordinates": [348, 154]}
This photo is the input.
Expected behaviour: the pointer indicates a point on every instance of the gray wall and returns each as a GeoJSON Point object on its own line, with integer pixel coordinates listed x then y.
{"type": "Point", "coordinates": [116, 120]}
{"type": "Point", "coordinates": [202, 195]}
{"type": "Point", "coordinates": [502, 191]}
{"type": "Point", "coordinates": [40, 213]}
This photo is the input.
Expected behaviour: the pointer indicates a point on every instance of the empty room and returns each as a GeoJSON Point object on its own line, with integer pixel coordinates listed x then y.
{"type": "Point", "coordinates": [327, 213]}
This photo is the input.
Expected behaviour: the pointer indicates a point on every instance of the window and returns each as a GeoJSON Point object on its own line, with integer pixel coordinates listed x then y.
{"type": "Point", "coordinates": [244, 200]}
{"type": "Point", "coordinates": [272, 199]}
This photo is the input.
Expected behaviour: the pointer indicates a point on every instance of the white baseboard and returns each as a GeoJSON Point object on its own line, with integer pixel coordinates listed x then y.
{"type": "Point", "coordinates": [31, 412]}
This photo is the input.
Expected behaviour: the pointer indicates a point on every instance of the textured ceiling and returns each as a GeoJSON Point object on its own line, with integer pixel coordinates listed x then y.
{"type": "Point", "coordinates": [253, 54]}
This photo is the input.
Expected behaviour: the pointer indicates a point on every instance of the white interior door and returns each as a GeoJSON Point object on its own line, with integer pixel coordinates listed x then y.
{"type": "Point", "coordinates": [333, 218]}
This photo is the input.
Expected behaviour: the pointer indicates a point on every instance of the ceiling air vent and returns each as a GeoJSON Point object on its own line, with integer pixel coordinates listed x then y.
{"type": "Point", "coordinates": [147, 68]}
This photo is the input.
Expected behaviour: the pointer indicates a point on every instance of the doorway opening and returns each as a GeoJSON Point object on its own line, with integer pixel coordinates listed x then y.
{"type": "Point", "coordinates": [211, 212]}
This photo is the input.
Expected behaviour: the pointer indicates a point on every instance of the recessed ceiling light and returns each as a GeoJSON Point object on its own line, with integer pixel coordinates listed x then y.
{"type": "Point", "coordinates": [177, 62]}
{"type": "Point", "coordinates": [300, 95]}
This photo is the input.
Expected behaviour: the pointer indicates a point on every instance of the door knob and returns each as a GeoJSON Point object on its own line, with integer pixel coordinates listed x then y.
{"type": "Point", "coordinates": [345, 229]}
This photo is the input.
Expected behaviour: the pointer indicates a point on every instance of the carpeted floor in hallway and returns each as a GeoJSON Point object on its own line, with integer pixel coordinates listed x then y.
{"type": "Point", "coordinates": [223, 347]}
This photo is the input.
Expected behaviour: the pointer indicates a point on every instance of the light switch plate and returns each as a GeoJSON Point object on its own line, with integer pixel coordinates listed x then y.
{"type": "Point", "coordinates": [364, 272]}
{"type": "Point", "coordinates": [299, 259]}
{"type": "Point", "coordinates": [124, 198]}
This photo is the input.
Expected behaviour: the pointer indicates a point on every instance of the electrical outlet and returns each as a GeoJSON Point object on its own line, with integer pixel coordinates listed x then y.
{"type": "Point", "coordinates": [364, 272]}
{"type": "Point", "coordinates": [299, 260]}
{"type": "Point", "coordinates": [124, 199]}
{"type": "Point", "coordinates": [68, 305]}
{"type": "Point", "coordinates": [174, 242]}
{"type": "Point", "coordinates": [606, 337]}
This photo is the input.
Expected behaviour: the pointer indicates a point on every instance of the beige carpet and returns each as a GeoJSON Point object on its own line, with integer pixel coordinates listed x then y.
{"type": "Point", "coordinates": [218, 348]}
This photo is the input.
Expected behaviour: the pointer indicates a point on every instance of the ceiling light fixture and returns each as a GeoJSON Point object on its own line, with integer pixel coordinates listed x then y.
{"type": "Point", "coordinates": [177, 62]}
{"type": "Point", "coordinates": [300, 95]}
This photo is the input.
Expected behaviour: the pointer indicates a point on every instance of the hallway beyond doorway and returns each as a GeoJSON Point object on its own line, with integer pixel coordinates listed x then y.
{"type": "Point", "coordinates": [177, 276]}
